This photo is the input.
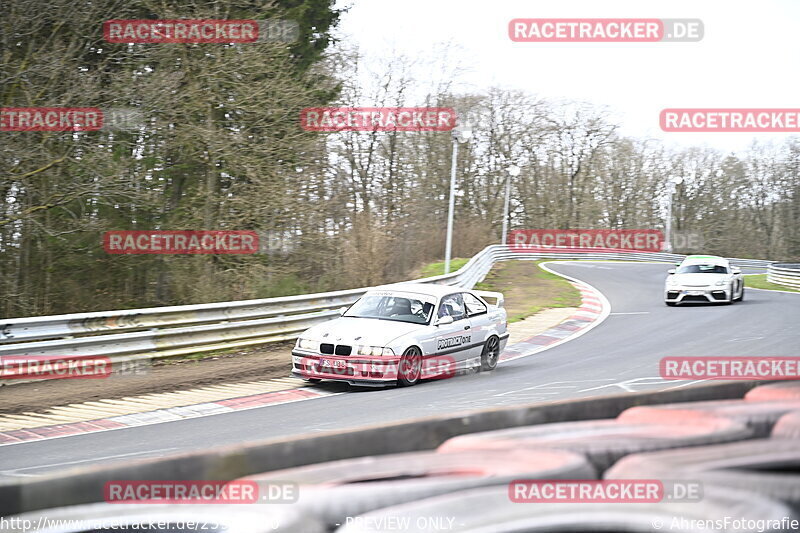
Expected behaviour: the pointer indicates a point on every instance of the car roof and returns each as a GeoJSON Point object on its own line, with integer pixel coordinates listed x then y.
{"type": "Point", "coordinates": [705, 260]}
{"type": "Point", "coordinates": [430, 289]}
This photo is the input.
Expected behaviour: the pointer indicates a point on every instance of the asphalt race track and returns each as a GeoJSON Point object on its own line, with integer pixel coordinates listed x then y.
{"type": "Point", "coordinates": [619, 355]}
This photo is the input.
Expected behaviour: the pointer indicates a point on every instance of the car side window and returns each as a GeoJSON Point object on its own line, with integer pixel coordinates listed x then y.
{"type": "Point", "coordinates": [473, 304]}
{"type": "Point", "coordinates": [452, 305]}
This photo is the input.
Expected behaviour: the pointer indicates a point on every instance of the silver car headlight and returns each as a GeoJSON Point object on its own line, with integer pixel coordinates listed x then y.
{"type": "Point", "coordinates": [672, 281]}
{"type": "Point", "coordinates": [374, 350]}
{"type": "Point", "coordinates": [307, 344]}
{"type": "Point", "coordinates": [723, 282]}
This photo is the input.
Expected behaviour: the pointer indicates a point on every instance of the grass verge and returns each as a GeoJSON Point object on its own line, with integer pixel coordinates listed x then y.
{"type": "Point", "coordinates": [437, 269]}
{"type": "Point", "coordinates": [759, 281]}
{"type": "Point", "coordinates": [528, 289]}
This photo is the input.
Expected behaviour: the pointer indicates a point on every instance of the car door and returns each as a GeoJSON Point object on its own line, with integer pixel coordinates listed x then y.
{"type": "Point", "coordinates": [479, 320]}
{"type": "Point", "coordinates": [451, 340]}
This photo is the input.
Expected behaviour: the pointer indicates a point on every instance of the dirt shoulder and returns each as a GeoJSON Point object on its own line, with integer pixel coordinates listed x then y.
{"type": "Point", "coordinates": [269, 361]}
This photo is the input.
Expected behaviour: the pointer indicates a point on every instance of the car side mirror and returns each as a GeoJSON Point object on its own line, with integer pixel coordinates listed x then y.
{"type": "Point", "coordinates": [444, 321]}
{"type": "Point", "coordinates": [671, 271]}
{"type": "Point", "coordinates": [736, 270]}
{"type": "Point", "coordinates": [342, 310]}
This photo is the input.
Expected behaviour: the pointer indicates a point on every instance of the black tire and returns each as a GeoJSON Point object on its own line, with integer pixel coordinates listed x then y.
{"type": "Point", "coordinates": [312, 380]}
{"type": "Point", "coordinates": [671, 304]}
{"type": "Point", "coordinates": [767, 467]}
{"type": "Point", "coordinates": [741, 296]}
{"type": "Point", "coordinates": [333, 491]}
{"type": "Point", "coordinates": [409, 368]}
{"type": "Point", "coordinates": [490, 354]}
{"type": "Point", "coordinates": [603, 442]}
{"type": "Point", "coordinates": [785, 391]}
{"type": "Point", "coordinates": [758, 416]}
{"type": "Point", "coordinates": [787, 426]}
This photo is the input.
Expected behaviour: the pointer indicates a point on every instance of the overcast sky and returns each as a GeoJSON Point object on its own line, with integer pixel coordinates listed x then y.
{"type": "Point", "coordinates": [749, 57]}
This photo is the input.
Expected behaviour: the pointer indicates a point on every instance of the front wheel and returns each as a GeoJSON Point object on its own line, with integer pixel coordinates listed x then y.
{"type": "Point", "coordinates": [741, 294]}
{"type": "Point", "coordinates": [671, 304]}
{"type": "Point", "coordinates": [491, 354]}
{"type": "Point", "coordinates": [409, 368]}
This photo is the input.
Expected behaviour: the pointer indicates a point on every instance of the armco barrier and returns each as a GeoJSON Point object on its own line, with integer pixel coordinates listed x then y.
{"type": "Point", "coordinates": [165, 331]}
{"type": "Point", "coordinates": [787, 274]}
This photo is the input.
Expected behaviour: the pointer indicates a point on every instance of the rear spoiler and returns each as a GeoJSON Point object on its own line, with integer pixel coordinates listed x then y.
{"type": "Point", "coordinates": [496, 296]}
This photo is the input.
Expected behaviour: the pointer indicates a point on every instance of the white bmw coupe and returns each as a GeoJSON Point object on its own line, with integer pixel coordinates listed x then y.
{"type": "Point", "coordinates": [403, 333]}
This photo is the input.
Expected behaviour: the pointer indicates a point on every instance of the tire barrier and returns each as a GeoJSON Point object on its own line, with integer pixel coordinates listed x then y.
{"type": "Point", "coordinates": [490, 510]}
{"type": "Point", "coordinates": [184, 518]}
{"type": "Point", "coordinates": [337, 490]}
{"type": "Point", "coordinates": [769, 467]}
{"type": "Point", "coordinates": [760, 416]}
{"type": "Point", "coordinates": [787, 426]}
{"type": "Point", "coordinates": [603, 442]}
{"type": "Point", "coordinates": [785, 390]}
{"type": "Point", "coordinates": [83, 485]}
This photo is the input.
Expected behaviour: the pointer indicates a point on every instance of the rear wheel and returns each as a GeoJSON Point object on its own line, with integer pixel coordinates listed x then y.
{"type": "Point", "coordinates": [410, 367]}
{"type": "Point", "coordinates": [491, 354]}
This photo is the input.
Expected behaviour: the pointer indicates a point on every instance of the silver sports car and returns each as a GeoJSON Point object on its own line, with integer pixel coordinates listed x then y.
{"type": "Point", "coordinates": [704, 278]}
{"type": "Point", "coordinates": [403, 333]}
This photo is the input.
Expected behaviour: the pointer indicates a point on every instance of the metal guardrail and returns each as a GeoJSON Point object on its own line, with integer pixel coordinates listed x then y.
{"type": "Point", "coordinates": [787, 274]}
{"type": "Point", "coordinates": [167, 331]}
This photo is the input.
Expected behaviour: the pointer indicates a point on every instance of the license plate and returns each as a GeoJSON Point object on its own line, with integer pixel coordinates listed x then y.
{"type": "Point", "coordinates": [695, 293]}
{"type": "Point", "coordinates": [336, 363]}
{"type": "Point", "coordinates": [325, 362]}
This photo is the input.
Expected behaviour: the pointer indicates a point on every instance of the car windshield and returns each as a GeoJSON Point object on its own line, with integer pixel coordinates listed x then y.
{"type": "Point", "coordinates": [400, 307]}
{"type": "Point", "coordinates": [702, 269]}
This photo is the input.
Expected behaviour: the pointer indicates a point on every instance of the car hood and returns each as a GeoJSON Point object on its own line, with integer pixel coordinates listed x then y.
{"type": "Point", "coordinates": [699, 280]}
{"type": "Point", "coordinates": [357, 331]}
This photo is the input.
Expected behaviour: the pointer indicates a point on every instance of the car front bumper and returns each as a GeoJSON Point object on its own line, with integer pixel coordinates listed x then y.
{"type": "Point", "coordinates": [354, 369]}
{"type": "Point", "coordinates": [715, 294]}
{"type": "Point", "coordinates": [364, 370]}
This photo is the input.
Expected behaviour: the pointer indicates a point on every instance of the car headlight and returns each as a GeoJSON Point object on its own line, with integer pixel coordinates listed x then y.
{"type": "Point", "coordinates": [723, 282]}
{"type": "Point", "coordinates": [374, 350]}
{"type": "Point", "coordinates": [672, 281]}
{"type": "Point", "coordinates": [307, 344]}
